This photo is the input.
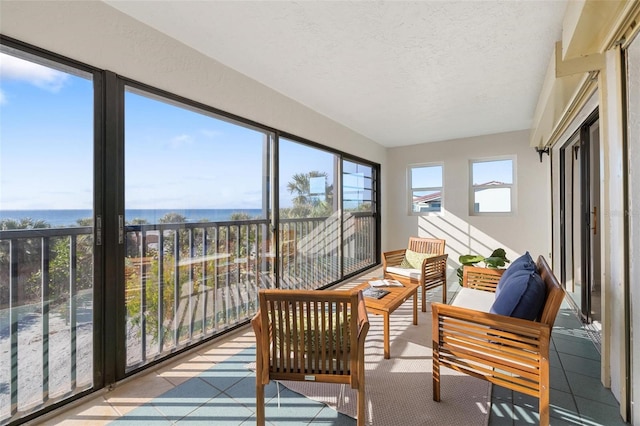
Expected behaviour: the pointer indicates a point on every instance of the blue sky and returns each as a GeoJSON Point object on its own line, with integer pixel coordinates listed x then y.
{"type": "Point", "coordinates": [45, 137]}
{"type": "Point", "coordinates": [174, 157]}
{"type": "Point", "coordinates": [430, 176]}
{"type": "Point", "coordinates": [495, 170]}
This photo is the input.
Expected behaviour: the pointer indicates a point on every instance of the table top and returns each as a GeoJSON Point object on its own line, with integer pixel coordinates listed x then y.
{"type": "Point", "coordinates": [390, 302]}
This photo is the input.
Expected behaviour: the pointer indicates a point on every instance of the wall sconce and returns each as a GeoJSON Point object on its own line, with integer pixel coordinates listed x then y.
{"type": "Point", "coordinates": [541, 151]}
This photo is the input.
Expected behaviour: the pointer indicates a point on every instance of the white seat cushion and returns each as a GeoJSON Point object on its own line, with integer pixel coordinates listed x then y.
{"type": "Point", "coordinates": [405, 272]}
{"type": "Point", "coordinates": [478, 300]}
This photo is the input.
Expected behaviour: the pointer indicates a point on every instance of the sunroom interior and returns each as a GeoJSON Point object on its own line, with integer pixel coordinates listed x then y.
{"type": "Point", "coordinates": [327, 133]}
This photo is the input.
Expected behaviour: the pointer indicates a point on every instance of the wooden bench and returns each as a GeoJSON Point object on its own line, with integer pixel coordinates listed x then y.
{"type": "Point", "coordinates": [506, 351]}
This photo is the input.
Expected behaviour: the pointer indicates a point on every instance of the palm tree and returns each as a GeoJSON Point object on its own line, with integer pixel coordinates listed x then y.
{"type": "Point", "coordinates": [169, 246]}
{"type": "Point", "coordinates": [304, 205]}
{"type": "Point", "coordinates": [24, 223]}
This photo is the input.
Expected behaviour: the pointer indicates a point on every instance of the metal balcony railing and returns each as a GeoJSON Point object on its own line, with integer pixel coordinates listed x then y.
{"type": "Point", "coordinates": [46, 317]}
{"type": "Point", "coordinates": [183, 284]}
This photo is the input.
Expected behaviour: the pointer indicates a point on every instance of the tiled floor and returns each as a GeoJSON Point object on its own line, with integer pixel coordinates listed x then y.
{"type": "Point", "coordinates": [577, 396]}
{"type": "Point", "coordinates": [213, 386]}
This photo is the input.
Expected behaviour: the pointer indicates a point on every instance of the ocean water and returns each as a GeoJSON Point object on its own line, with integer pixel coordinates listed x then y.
{"type": "Point", "coordinates": [61, 218]}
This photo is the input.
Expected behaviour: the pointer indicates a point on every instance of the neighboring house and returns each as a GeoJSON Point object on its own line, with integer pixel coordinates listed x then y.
{"type": "Point", "coordinates": [493, 196]}
{"type": "Point", "coordinates": [428, 203]}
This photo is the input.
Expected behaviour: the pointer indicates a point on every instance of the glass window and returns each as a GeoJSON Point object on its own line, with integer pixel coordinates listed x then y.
{"type": "Point", "coordinates": [425, 183]}
{"type": "Point", "coordinates": [492, 186]}
{"type": "Point", "coordinates": [46, 232]}
{"type": "Point", "coordinates": [309, 231]}
{"type": "Point", "coordinates": [359, 219]}
{"type": "Point", "coordinates": [195, 222]}
{"type": "Point", "coordinates": [357, 186]}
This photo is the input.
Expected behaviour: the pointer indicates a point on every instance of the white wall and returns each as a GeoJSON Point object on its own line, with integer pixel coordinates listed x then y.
{"type": "Point", "coordinates": [633, 126]}
{"type": "Point", "coordinates": [98, 35]}
{"type": "Point", "coordinates": [613, 233]}
{"type": "Point", "coordinates": [528, 229]}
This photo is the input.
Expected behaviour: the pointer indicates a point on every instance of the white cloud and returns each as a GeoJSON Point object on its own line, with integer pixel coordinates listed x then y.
{"type": "Point", "coordinates": [211, 134]}
{"type": "Point", "coordinates": [38, 75]}
{"type": "Point", "coordinates": [180, 141]}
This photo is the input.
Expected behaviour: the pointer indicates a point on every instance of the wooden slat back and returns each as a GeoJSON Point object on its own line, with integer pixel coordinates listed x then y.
{"type": "Point", "coordinates": [555, 293]}
{"type": "Point", "coordinates": [311, 332]}
{"type": "Point", "coordinates": [426, 245]}
{"type": "Point", "coordinates": [481, 278]}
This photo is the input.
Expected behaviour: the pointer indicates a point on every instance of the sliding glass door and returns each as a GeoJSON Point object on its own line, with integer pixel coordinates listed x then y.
{"type": "Point", "coordinates": [46, 232]}
{"type": "Point", "coordinates": [195, 224]}
{"type": "Point", "coordinates": [581, 221]}
{"type": "Point", "coordinates": [310, 228]}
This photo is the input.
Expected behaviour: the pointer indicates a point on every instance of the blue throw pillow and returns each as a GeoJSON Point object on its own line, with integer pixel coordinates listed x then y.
{"type": "Point", "coordinates": [523, 263]}
{"type": "Point", "coordinates": [522, 296]}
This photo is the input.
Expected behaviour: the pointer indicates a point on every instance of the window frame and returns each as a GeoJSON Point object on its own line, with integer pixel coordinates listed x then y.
{"type": "Point", "coordinates": [411, 189]}
{"type": "Point", "coordinates": [512, 186]}
{"type": "Point", "coordinates": [109, 362]}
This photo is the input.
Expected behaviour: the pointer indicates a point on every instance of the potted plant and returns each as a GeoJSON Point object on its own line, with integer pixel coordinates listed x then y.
{"type": "Point", "coordinates": [497, 260]}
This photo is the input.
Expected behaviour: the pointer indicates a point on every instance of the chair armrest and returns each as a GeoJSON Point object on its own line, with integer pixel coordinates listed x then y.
{"type": "Point", "coordinates": [255, 323]}
{"type": "Point", "coordinates": [392, 258]}
{"type": "Point", "coordinates": [363, 318]}
{"type": "Point", "coordinates": [261, 351]}
{"type": "Point", "coordinates": [481, 278]}
{"type": "Point", "coordinates": [434, 267]}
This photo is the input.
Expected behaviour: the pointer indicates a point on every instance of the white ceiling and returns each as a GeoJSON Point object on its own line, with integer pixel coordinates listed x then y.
{"type": "Point", "coordinates": [397, 72]}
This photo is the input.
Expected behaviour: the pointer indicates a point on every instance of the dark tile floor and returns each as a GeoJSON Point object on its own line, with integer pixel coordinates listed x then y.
{"type": "Point", "coordinates": [577, 396]}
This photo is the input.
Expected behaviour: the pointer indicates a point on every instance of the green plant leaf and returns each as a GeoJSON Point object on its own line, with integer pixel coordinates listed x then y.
{"type": "Point", "coordinates": [470, 259]}
{"type": "Point", "coordinates": [494, 262]}
{"type": "Point", "coordinates": [499, 252]}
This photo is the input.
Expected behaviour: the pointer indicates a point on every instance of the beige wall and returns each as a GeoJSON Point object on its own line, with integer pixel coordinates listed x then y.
{"type": "Point", "coordinates": [529, 229]}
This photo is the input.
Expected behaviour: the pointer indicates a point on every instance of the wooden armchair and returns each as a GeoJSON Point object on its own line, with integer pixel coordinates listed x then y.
{"type": "Point", "coordinates": [506, 351]}
{"type": "Point", "coordinates": [431, 274]}
{"type": "Point", "coordinates": [310, 335]}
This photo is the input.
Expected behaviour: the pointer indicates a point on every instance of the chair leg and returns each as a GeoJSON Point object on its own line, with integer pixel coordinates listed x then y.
{"type": "Point", "coordinates": [543, 401]}
{"type": "Point", "coordinates": [444, 290]}
{"type": "Point", "coordinates": [544, 415]}
{"type": "Point", "coordinates": [362, 419]}
{"type": "Point", "coordinates": [435, 357]}
{"type": "Point", "coordinates": [259, 404]}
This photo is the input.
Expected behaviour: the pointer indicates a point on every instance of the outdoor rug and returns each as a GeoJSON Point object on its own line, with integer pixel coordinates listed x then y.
{"type": "Point", "coordinates": [399, 390]}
